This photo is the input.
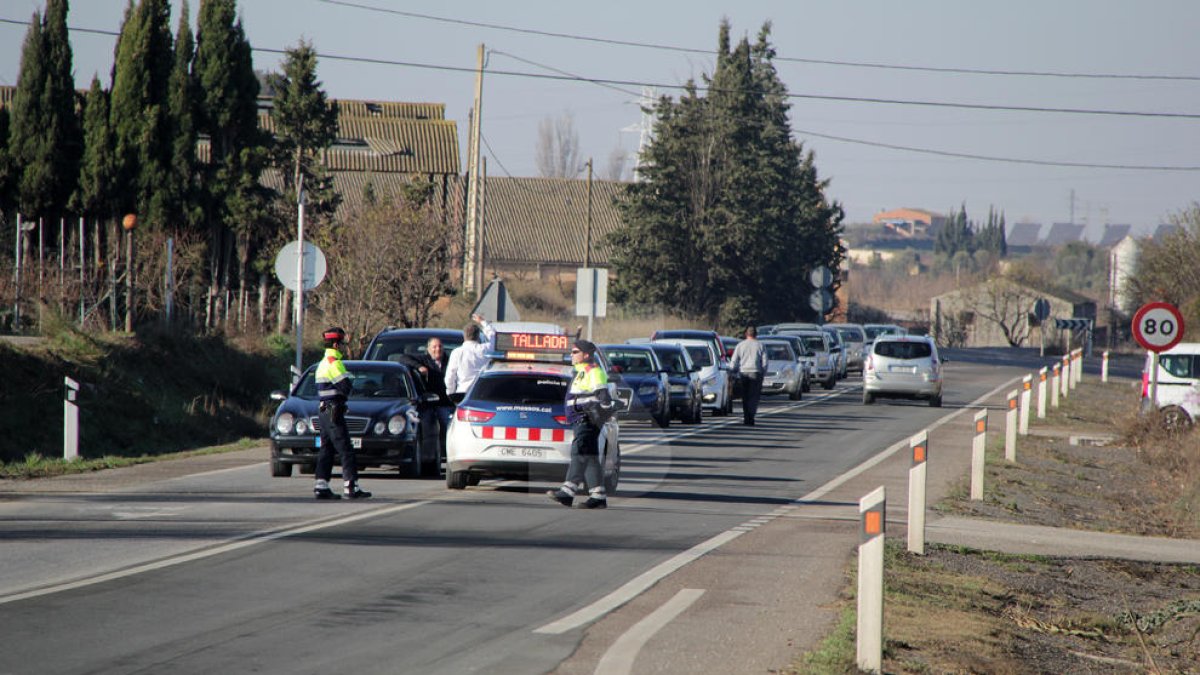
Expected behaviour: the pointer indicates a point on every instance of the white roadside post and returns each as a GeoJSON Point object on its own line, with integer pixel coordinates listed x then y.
{"type": "Point", "coordinates": [1054, 387]}
{"type": "Point", "coordinates": [1065, 380]}
{"type": "Point", "coordinates": [1010, 428]}
{"type": "Point", "coordinates": [978, 449]}
{"type": "Point", "coordinates": [916, 492]}
{"type": "Point", "coordinates": [1026, 404]}
{"type": "Point", "coordinates": [871, 511]}
{"type": "Point", "coordinates": [1078, 368]}
{"type": "Point", "coordinates": [70, 420]}
{"type": "Point", "coordinates": [1104, 368]}
{"type": "Point", "coordinates": [1042, 393]}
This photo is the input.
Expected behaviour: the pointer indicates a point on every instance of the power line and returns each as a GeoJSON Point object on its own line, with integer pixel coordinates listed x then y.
{"type": "Point", "coordinates": [659, 85]}
{"type": "Point", "coordinates": [709, 52]}
{"type": "Point", "coordinates": [1012, 160]}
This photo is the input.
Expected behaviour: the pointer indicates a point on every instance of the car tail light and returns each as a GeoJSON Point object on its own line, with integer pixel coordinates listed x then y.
{"type": "Point", "coordinates": [561, 419]}
{"type": "Point", "coordinates": [474, 416]}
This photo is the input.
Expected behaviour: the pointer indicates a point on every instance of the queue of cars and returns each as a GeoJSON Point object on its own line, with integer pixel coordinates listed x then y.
{"type": "Point", "coordinates": [512, 423]}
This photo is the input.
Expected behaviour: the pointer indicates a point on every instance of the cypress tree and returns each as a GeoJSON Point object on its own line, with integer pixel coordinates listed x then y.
{"type": "Point", "coordinates": [181, 210]}
{"type": "Point", "coordinates": [30, 154]}
{"type": "Point", "coordinates": [97, 176]}
{"type": "Point", "coordinates": [305, 124]}
{"type": "Point", "coordinates": [7, 199]}
{"type": "Point", "coordinates": [64, 135]}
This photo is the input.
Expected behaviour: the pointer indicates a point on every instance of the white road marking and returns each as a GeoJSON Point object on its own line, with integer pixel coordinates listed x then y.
{"type": "Point", "coordinates": [635, 586]}
{"type": "Point", "coordinates": [251, 539]}
{"type": "Point", "coordinates": [619, 658]}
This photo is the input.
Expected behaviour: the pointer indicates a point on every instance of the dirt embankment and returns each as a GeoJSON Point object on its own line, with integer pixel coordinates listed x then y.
{"type": "Point", "coordinates": [957, 610]}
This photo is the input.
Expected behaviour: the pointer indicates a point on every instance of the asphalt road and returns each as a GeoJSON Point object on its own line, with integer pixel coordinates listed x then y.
{"type": "Point", "coordinates": [233, 571]}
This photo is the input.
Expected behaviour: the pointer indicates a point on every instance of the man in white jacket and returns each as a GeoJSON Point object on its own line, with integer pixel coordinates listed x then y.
{"type": "Point", "coordinates": [470, 358]}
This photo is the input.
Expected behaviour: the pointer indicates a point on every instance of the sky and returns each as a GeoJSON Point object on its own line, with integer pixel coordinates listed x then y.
{"type": "Point", "coordinates": [880, 132]}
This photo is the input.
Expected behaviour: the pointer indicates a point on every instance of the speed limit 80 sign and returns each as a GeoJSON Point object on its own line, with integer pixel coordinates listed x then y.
{"type": "Point", "coordinates": [1158, 326]}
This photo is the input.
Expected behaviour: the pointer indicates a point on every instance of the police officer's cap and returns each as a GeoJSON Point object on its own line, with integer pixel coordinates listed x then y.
{"type": "Point", "coordinates": [334, 334]}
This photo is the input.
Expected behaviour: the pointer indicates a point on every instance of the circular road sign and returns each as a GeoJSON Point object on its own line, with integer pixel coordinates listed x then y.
{"type": "Point", "coordinates": [820, 276]}
{"type": "Point", "coordinates": [1041, 309]}
{"type": "Point", "coordinates": [314, 265]}
{"type": "Point", "coordinates": [821, 300]}
{"type": "Point", "coordinates": [1158, 326]}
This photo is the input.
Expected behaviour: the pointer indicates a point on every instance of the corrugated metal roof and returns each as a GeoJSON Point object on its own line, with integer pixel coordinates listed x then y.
{"type": "Point", "coordinates": [393, 109]}
{"type": "Point", "coordinates": [544, 220]}
{"type": "Point", "coordinates": [1023, 234]}
{"type": "Point", "coordinates": [1062, 233]}
{"type": "Point", "coordinates": [1113, 234]}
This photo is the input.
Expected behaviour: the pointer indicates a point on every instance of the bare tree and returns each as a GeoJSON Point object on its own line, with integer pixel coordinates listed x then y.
{"type": "Point", "coordinates": [558, 154]}
{"type": "Point", "coordinates": [614, 170]}
{"type": "Point", "coordinates": [1008, 306]}
{"type": "Point", "coordinates": [388, 265]}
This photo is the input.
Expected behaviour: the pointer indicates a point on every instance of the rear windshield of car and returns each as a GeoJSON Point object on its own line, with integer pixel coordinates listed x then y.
{"type": "Point", "coordinates": [631, 361]}
{"type": "Point", "coordinates": [904, 350]}
{"type": "Point", "coordinates": [814, 344]}
{"type": "Point", "coordinates": [521, 389]}
{"type": "Point", "coordinates": [777, 352]}
{"type": "Point", "coordinates": [365, 384]}
{"type": "Point", "coordinates": [700, 355]}
{"type": "Point", "coordinates": [391, 349]}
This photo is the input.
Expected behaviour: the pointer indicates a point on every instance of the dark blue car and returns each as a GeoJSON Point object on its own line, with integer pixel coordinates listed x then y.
{"type": "Point", "coordinates": [683, 380]}
{"type": "Point", "coordinates": [644, 375]}
{"type": "Point", "coordinates": [381, 415]}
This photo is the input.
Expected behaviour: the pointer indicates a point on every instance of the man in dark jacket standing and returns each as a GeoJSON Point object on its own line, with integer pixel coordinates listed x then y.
{"type": "Point", "coordinates": [430, 367]}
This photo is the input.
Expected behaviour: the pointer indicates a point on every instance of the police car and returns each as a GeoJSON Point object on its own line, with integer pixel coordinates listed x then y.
{"type": "Point", "coordinates": [512, 424]}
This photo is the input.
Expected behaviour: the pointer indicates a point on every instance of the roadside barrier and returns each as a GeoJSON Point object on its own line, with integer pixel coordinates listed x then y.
{"type": "Point", "coordinates": [1065, 380]}
{"type": "Point", "coordinates": [70, 420]}
{"type": "Point", "coordinates": [1054, 387]}
{"type": "Point", "coordinates": [1042, 393]}
{"type": "Point", "coordinates": [872, 525]}
{"type": "Point", "coordinates": [919, 445]}
{"type": "Point", "coordinates": [978, 448]}
{"type": "Point", "coordinates": [1010, 428]}
{"type": "Point", "coordinates": [1104, 368]}
{"type": "Point", "coordinates": [1026, 396]}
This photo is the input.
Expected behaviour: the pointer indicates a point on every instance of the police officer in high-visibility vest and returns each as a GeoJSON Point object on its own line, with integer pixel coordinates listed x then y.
{"type": "Point", "coordinates": [589, 405]}
{"type": "Point", "coordinates": [333, 387]}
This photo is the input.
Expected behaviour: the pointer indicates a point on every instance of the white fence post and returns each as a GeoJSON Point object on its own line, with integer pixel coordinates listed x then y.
{"type": "Point", "coordinates": [70, 420]}
{"type": "Point", "coordinates": [872, 524]}
{"type": "Point", "coordinates": [1065, 380]}
{"type": "Point", "coordinates": [1055, 386]}
{"type": "Point", "coordinates": [978, 449]}
{"type": "Point", "coordinates": [1026, 404]}
{"type": "Point", "coordinates": [1010, 428]}
{"type": "Point", "coordinates": [1104, 368]}
{"type": "Point", "coordinates": [919, 445]}
{"type": "Point", "coordinates": [1042, 393]}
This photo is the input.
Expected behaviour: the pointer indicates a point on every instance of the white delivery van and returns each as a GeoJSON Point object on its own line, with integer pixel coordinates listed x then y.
{"type": "Point", "coordinates": [1178, 383]}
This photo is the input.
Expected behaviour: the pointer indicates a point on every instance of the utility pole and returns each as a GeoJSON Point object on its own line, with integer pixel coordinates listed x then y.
{"type": "Point", "coordinates": [480, 283]}
{"type": "Point", "coordinates": [300, 275]}
{"type": "Point", "coordinates": [471, 247]}
{"type": "Point", "coordinates": [587, 251]}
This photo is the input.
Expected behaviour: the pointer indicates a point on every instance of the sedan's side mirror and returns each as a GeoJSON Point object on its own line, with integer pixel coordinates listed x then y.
{"type": "Point", "coordinates": [278, 395]}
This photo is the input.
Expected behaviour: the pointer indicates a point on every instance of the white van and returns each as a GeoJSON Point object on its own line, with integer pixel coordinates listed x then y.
{"type": "Point", "coordinates": [1178, 383]}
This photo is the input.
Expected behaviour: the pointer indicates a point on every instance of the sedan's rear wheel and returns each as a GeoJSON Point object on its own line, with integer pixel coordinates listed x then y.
{"type": "Point", "coordinates": [796, 393]}
{"type": "Point", "coordinates": [830, 381]}
{"type": "Point", "coordinates": [935, 401]}
{"type": "Point", "coordinates": [456, 480]}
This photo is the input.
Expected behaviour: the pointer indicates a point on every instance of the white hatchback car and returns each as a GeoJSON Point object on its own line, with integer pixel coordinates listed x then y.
{"type": "Point", "coordinates": [1178, 384]}
{"type": "Point", "coordinates": [903, 366]}
{"type": "Point", "coordinates": [714, 375]}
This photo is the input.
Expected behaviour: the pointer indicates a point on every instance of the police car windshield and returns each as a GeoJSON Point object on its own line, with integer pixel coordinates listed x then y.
{"type": "Point", "coordinates": [521, 389]}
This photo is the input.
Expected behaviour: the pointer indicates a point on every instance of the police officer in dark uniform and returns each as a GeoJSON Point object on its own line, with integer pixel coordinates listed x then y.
{"type": "Point", "coordinates": [333, 387]}
{"type": "Point", "coordinates": [589, 406]}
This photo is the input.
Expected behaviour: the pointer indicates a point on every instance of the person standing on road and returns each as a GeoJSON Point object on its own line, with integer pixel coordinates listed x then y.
{"type": "Point", "coordinates": [749, 360]}
{"type": "Point", "coordinates": [470, 358]}
{"type": "Point", "coordinates": [333, 388]}
{"type": "Point", "coordinates": [431, 368]}
{"type": "Point", "coordinates": [588, 407]}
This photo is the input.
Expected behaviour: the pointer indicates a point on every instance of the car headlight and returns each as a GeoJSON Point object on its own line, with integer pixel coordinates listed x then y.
{"type": "Point", "coordinates": [646, 390]}
{"type": "Point", "coordinates": [283, 423]}
{"type": "Point", "coordinates": [395, 425]}
{"type": "Point", "coordinates": [301, 426]}
{"type": "Point", "coordinates": [379, 427]}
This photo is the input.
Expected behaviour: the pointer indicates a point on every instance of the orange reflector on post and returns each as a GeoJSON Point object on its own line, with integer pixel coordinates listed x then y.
{"type": "Point", "coordinates": [873, 522]}
{"type": "Point", "coordinates": [1012, 402]}
{"type": "Point", "coordinates": [980, 426]}
{"type": "Point", "coordinates": [1027, 385]}
{"type": "Point", "coordinates": [918, 454]}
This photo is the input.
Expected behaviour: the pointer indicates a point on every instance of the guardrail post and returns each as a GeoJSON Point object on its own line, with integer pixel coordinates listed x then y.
{"type": "Point", "coordinates": [1065, 381]}
{"type": "Point", "coordinates": [978, 448]}
{"type": "Point", "coordinates": [919, 445]}
{"type": "Point", "coordinates": [1010, 428]}
{"type": "Point", "coordinates": [1026, 403]}
{"type": "Point", "coordinates": [1077, 368]}
{"type": "Point", "coordinates": [1055, 386]}
{"type": "Point", "coordinates": [1104, 367]}
{"type": "Point", "coordinates": [70, 420]}
{"type": "Point", "coordinates": [872, 524]}
{"type": "Point", "coordinates": [1042, 393]}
